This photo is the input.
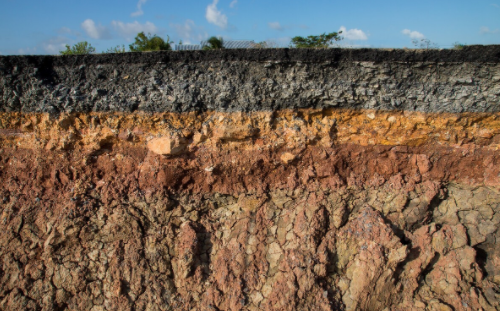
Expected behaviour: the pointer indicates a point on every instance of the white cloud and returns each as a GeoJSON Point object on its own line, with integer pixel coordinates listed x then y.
{"type": "Point", "coordinates": [27, 51]}
{"type": "Point", "coordinates": [275, 26]}
{"type": "Point", "coordinates": [496, 5]}
{"type": "Point", "coordinates": [412, 34]}
{"type": "Point", "coordinates": [130, 30]}
{"type": "Point", "coordinates": [63, 30]}
{"type": "Point", "coordinates": [488, 31]}
{"type": "Point", "coordinates": [189, 32]}
{"type": "Point", "coordinates": [214, 16]}
{"type": "Point", "coordinates": [95, 31]}
{"type": "Point", "coordinates": [233, 3]}
{"type": "Point", "coordinates": [55, 45]}
{"type": "Point", "coordinates": [353, 34]}
{"type": "Point", "coordinates": [139, 11]}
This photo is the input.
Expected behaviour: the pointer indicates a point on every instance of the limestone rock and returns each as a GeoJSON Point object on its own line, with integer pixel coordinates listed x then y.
{"type": "Point", "coordinates": [287, 157]}
{"type": "Point", "coordinates": [168, 145]}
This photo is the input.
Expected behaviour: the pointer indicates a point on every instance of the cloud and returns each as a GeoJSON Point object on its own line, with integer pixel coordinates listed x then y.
{"type": "Point", "coordinates": [130, 30]}
{"type": "Point", "coordinates": [279, 27]}
{"type": "Point", "coordinates": [412, 34]}
{"type": "Point", "coordinates": [139, 11]}
{"type": "Point", "coordinates": [275, 26]}
{"type": "Point", "coordinates": [189, 32]}
{"type": "Point", "coordinates": [95, 31]}
{"type": "Point", "coordinates": [496, 5]}
{"type": "Point", "coordinates": [353, 34]}
{"type": "Point", "coordinates": [214, 16]}
{"type": "Point", "coordinates": [55, 45]}
{"type": "Point", "coordinates": [64, 30]}
{"type": "Point", "coordinates": [233, 3]}
{"type": "Point", "coordinates": [27, 51]}
{"type": "Point", "coordinates": [488, 31]}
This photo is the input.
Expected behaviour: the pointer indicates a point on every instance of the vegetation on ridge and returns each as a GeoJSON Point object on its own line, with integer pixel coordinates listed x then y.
{"type": "Point", "coordinates": [214, 43]}
{"type": "Point", "coordinates": [150, 42]}
{"type": "Point", "coordinates": [322, 41]}
{"type": "Point", "coordinates": [81, 48]}
{"type": "Point", "coordinates": [154, 42]}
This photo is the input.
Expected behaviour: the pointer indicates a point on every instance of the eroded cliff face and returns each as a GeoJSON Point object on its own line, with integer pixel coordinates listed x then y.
{"type": "Point", "coordinates": [269, 209]}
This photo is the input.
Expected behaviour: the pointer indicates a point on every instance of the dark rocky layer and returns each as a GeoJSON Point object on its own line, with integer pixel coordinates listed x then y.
{"type": "Point", "coordinates": [472, 53]}
{"type": "Point", "coordinates": [248, 80]}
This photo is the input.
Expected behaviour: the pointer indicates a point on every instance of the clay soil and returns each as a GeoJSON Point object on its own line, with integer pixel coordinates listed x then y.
{"type": "Point", "coordinates": [290, 211]}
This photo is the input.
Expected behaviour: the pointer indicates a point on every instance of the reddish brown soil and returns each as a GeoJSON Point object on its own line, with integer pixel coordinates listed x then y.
{"type": "Point", "coordinates": [237, 222]}
{"type": "Point", "coordinates": [114, 173]}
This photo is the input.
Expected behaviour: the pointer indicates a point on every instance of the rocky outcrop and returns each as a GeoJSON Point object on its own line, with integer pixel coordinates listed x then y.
{"type": "Point", "coordinates": [213, 207]}
{"type": "Point", "coordinates": [251, 80]}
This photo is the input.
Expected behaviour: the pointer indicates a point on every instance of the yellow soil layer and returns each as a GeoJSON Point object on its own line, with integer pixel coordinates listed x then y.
{"type": "Point", "coordinates": [255, 130]}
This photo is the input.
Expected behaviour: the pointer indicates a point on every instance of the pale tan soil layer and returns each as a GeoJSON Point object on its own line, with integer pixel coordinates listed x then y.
{"type": "Point", "coordinates": [291, 210]}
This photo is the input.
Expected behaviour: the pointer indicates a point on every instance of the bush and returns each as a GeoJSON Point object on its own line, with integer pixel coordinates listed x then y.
{"type": "Point", "coordinates": [214, 43]}
{"type": "Point", "coordinates": [459, 46]}
{"type": "Point", "coordinates": [116, 49]}
{"type": "Point", "coordinates": [149, 43]}
{"type": "Point", "coordinates": [424, 44]}
{"type": "Point", "coordinates": [81, 48]}
{"type": "Point", "coordinates": [321, 41]}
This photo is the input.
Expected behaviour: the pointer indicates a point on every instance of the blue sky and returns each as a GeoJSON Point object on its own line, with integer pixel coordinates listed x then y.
{"type": "Point", "coordinates": [45, 27]}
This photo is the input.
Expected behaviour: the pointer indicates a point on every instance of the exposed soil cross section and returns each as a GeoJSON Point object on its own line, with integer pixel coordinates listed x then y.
{"type": "Point", "coordinates": [251, 180]}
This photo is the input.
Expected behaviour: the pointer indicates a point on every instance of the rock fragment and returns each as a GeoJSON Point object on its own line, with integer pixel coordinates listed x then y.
{"type": "Point", "coordinates": [175, 145]}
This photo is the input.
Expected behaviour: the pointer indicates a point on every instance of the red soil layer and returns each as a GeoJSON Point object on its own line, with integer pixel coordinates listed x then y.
{"type": "Point", "coordinates": [113, 173]}
{"type": "Point", "coordinates": [317, 228]}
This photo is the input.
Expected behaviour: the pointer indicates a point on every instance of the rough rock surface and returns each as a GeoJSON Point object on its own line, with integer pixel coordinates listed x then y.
{"type": "Point", "coordinates": [352, 249]}
{"type": "Point", "coordinates": [249, 80]}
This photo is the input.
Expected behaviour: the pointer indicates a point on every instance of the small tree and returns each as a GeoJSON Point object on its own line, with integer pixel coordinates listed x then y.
{"type": "Point", "coordinates": [459, 46]}
{"type": "Point", "coordinates": [321, 41]}
{"type": "Point", "coordinates": [214, 43]}
{"type": "Point", "coordinates": [116, 49]}
{"type": "Point", "coordinates": [81, 48]}
{"type": "Point", "coordinates": [149, 43]}
{"type": "Point", "coordinates": [424, 44]}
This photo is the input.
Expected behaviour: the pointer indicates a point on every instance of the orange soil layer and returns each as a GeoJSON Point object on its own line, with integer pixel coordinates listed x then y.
{"type": "Point", "coordinates": [250, 131]}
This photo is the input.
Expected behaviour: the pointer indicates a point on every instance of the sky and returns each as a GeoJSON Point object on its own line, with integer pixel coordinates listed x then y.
{"type": "Point", "coordinates": [46, 27]}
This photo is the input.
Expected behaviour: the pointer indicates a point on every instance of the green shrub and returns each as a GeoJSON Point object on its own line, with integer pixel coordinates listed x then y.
{"type": "Point", "coordinates": [214, 43]}
{"type": "Point", "coordinates": [116, 49]}
{"type": "Point", "coordinates": [81, 48]}
{"type": "Point", "coordinates": [458, 46]}
{"type": "Point", "coordinates": [321, 41]}
{"type": "Point", "coordinates": [149, 43]}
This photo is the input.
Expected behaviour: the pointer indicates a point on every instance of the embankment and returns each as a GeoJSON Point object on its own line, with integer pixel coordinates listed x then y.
{"type": "Point", "coordinates": [251, 180]}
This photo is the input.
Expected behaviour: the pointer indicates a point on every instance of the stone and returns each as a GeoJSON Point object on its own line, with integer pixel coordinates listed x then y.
{"type": "Point", "coordinates": [167, 145]}
{"type": "Point", "coordinates": [287, 157]}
